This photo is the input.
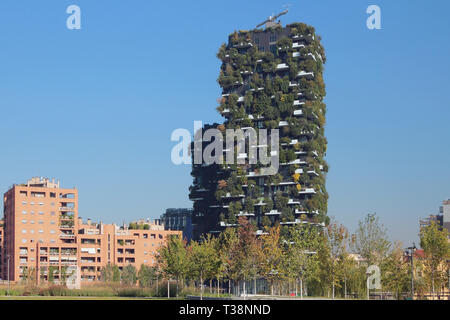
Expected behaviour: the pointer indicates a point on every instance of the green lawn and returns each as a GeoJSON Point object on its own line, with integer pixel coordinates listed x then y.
{"type": "Point", "coordinates": [71, 298]}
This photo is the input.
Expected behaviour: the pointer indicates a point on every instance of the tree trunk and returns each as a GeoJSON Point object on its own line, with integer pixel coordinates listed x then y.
{"type": "Point", "coordinates": [333, 287]}
{"type": "Point", "coordinates": [254, 286]}
{"type": "Point", "coordinates": [168, 288]}
{"type": "Point", "coordinates": [210, 285]}
{"type": "Point", "coordinates": [201, 286]}
{"type": "Point", "coordinates": [296, 287]}
{"type": "Point", "coordinates": [218, 287]}
{"type": "Point", "coordinates": [229, 286]}
{"type": "Point", "coordinates": [244, 289]}
{"type": "Point", "coordinates": [345, 288]}
{"type": "Point", "coordinates": [301, 288]}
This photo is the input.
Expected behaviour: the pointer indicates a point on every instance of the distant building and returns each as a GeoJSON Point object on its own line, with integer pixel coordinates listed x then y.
{"type": "Point", "coordinates": [178, 219]}
{"type": "Point", "coordinates": [445, 212]}
{"type": "Point", "coordinates": [442, 219]}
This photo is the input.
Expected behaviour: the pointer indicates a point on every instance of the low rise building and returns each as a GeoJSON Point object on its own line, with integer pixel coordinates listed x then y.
{"type": "Point", "coordinates": [43, 237]}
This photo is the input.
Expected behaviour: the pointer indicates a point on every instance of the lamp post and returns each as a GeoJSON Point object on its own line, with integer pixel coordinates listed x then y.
{"type": "Point", "coordinates": [9, 258]}
{"type": "Point", "coordinates": [411, 252]}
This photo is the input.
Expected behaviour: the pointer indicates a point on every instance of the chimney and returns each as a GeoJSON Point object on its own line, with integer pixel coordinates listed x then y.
{"type": "Point", "coordinates": [88, 222]}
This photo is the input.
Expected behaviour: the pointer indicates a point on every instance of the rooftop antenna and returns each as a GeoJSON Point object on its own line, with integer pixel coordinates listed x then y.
{"type": "Point", "coordinates": [270, 21]}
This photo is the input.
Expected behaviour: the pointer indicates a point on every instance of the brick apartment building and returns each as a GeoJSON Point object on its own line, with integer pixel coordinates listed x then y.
{"type": "Point", "coordinates": [42, 231]}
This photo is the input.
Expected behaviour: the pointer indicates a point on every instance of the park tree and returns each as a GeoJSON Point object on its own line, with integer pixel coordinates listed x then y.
{"type": "Point", "coordinates": [226, 244]}
{"type": "Point", "coordinates": [300, 255]}
{"type": "Point", "coordinates": [435, 245]}
{"type": "Point", "coordinates": [334, 253]}
{"type": "Point", "coordinates": [172, 259]}
{"type": "Point", "coordinates": [146, 275]}
{"type": "Point", "coordinates": [110, 273]}
{"type": "Point", "coordinates": [395, 272]}
{"type": "Point", "coordinates": [203, 260]}
{"type": "Point", "coordinates": [370, 240]}
{"type": "Point", "coordinates": [272, 262]}
{"type": "Point", "coordinates": [129, 275]}
{"type": "Point", "coordinates": [248, 253]}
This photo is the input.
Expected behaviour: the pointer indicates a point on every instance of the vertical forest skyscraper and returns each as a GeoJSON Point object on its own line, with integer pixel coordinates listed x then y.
{"type": "Point", "coordinates": [271, 79]}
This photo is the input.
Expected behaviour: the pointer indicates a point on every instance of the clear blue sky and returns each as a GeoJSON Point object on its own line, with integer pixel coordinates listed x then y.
{"type": "Point", "coordinates": [95, 108]}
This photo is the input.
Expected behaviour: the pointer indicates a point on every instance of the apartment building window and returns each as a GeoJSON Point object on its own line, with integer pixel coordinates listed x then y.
{"type": "Point", "coordinates": [32, 203]}
{"type": "Point", "coordinates": [41, 231]}
{"type": "Point", "coordinates": [31, 231]}
{"type": "Point", "coordinates": [23, 193]}
{"type": "Point", "coordinates": [273, 38]}
{"type": "Point", "coordinates": [52, 241]}
{"type": "Point", "coordinates": [52, 204]}
{"type": "Point", "coordinates": [24, 212]}
{"type": "Point", "coordinates": [24, 240]}
{"type": "Point", "coordinates": [52, 195]}
{"type": "Point", "coordinates": [41, 213]}
{"type": "Point", "coordinates": [24, 202]}
{"type": "Point", "coordinates": [52, 231]}
{"type": "Point", "coordinates": [32, 221]}
{"type": "Point", "coordinates": [52, 221]}
{"type": "Point", "coordinates": [24, 230]}
{"type": "Point", "coordinates": [52, 213]}
{"type": "Point", "coordinates": [41, 222]}
{"type": "Point", "coordinates": [41, 203]}
{"type": "Point", "coordinates": [38, 194]}
{"type": "Point", "coordinates": [32, 212]}
{"type": "Point", "coordinates": [24, 221]}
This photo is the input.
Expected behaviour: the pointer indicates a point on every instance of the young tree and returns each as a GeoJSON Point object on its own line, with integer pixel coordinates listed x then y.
{"type": "Point", "coordinates": [129, 276]}
{"type": "Point", "coordinates": [247, 256]}
{"type": "Point", "coordinates": [172, 259]}
{"type": "Point", "coordinates": [395, 272]}
{"type": "Point", "coordinates": [370, 240]}
{"type": "Point", "coordinates": [227, 243]}
{"type": "Point", "coordinates": [203, 259]}
{"type": "Point", "coordinates": [145, 276]}
{"type": "Point", "coordinates": [435, 245]}
{"type": "Point", "coordinates": [335, 252]}
{"type": "Point", "coordinates": [300, 254]}
{"type": "Point", "coordinates": [272, 267]}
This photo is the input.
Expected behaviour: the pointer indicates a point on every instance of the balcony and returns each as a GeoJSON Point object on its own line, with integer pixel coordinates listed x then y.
{"type": "Point", "coordinates": [307, 191]}
{"type": "Point", "coordinates": [282, 66]}
{"type": "Point", "coordinates": [298, 103]}
{"type": "Point", "coordinates": [297, 45]}
{"type": "Point", "coordinates": [245, 214]}
{"type": "Point", "coordinates": [65, 209]}
{"type": "Point", "coordinates": [298, 112]}
{"type": "Point", "coordinates": [297, 211]}
{"type": "Point", "coordinates": [223, 224]}
{"type": "Point", "coordinates": [273, 213]}
{"type": "Point", "coordinates": [67, 236]}
{"type": "Point", "coordinates": [305, 74]}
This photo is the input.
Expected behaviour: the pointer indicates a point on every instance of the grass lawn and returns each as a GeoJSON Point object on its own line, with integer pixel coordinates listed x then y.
{"type": "Point", "coordinates": [73, 298]}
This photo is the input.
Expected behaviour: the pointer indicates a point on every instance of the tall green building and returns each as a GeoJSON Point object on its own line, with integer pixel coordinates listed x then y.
{"type": "Point", "coordinates": [271, 79]}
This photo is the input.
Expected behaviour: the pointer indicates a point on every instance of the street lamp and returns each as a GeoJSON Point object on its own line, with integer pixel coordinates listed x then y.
{"type": "Point", "coordinates": [9, 286]}
{"type": "Point", "coordinates": [411, 252]}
